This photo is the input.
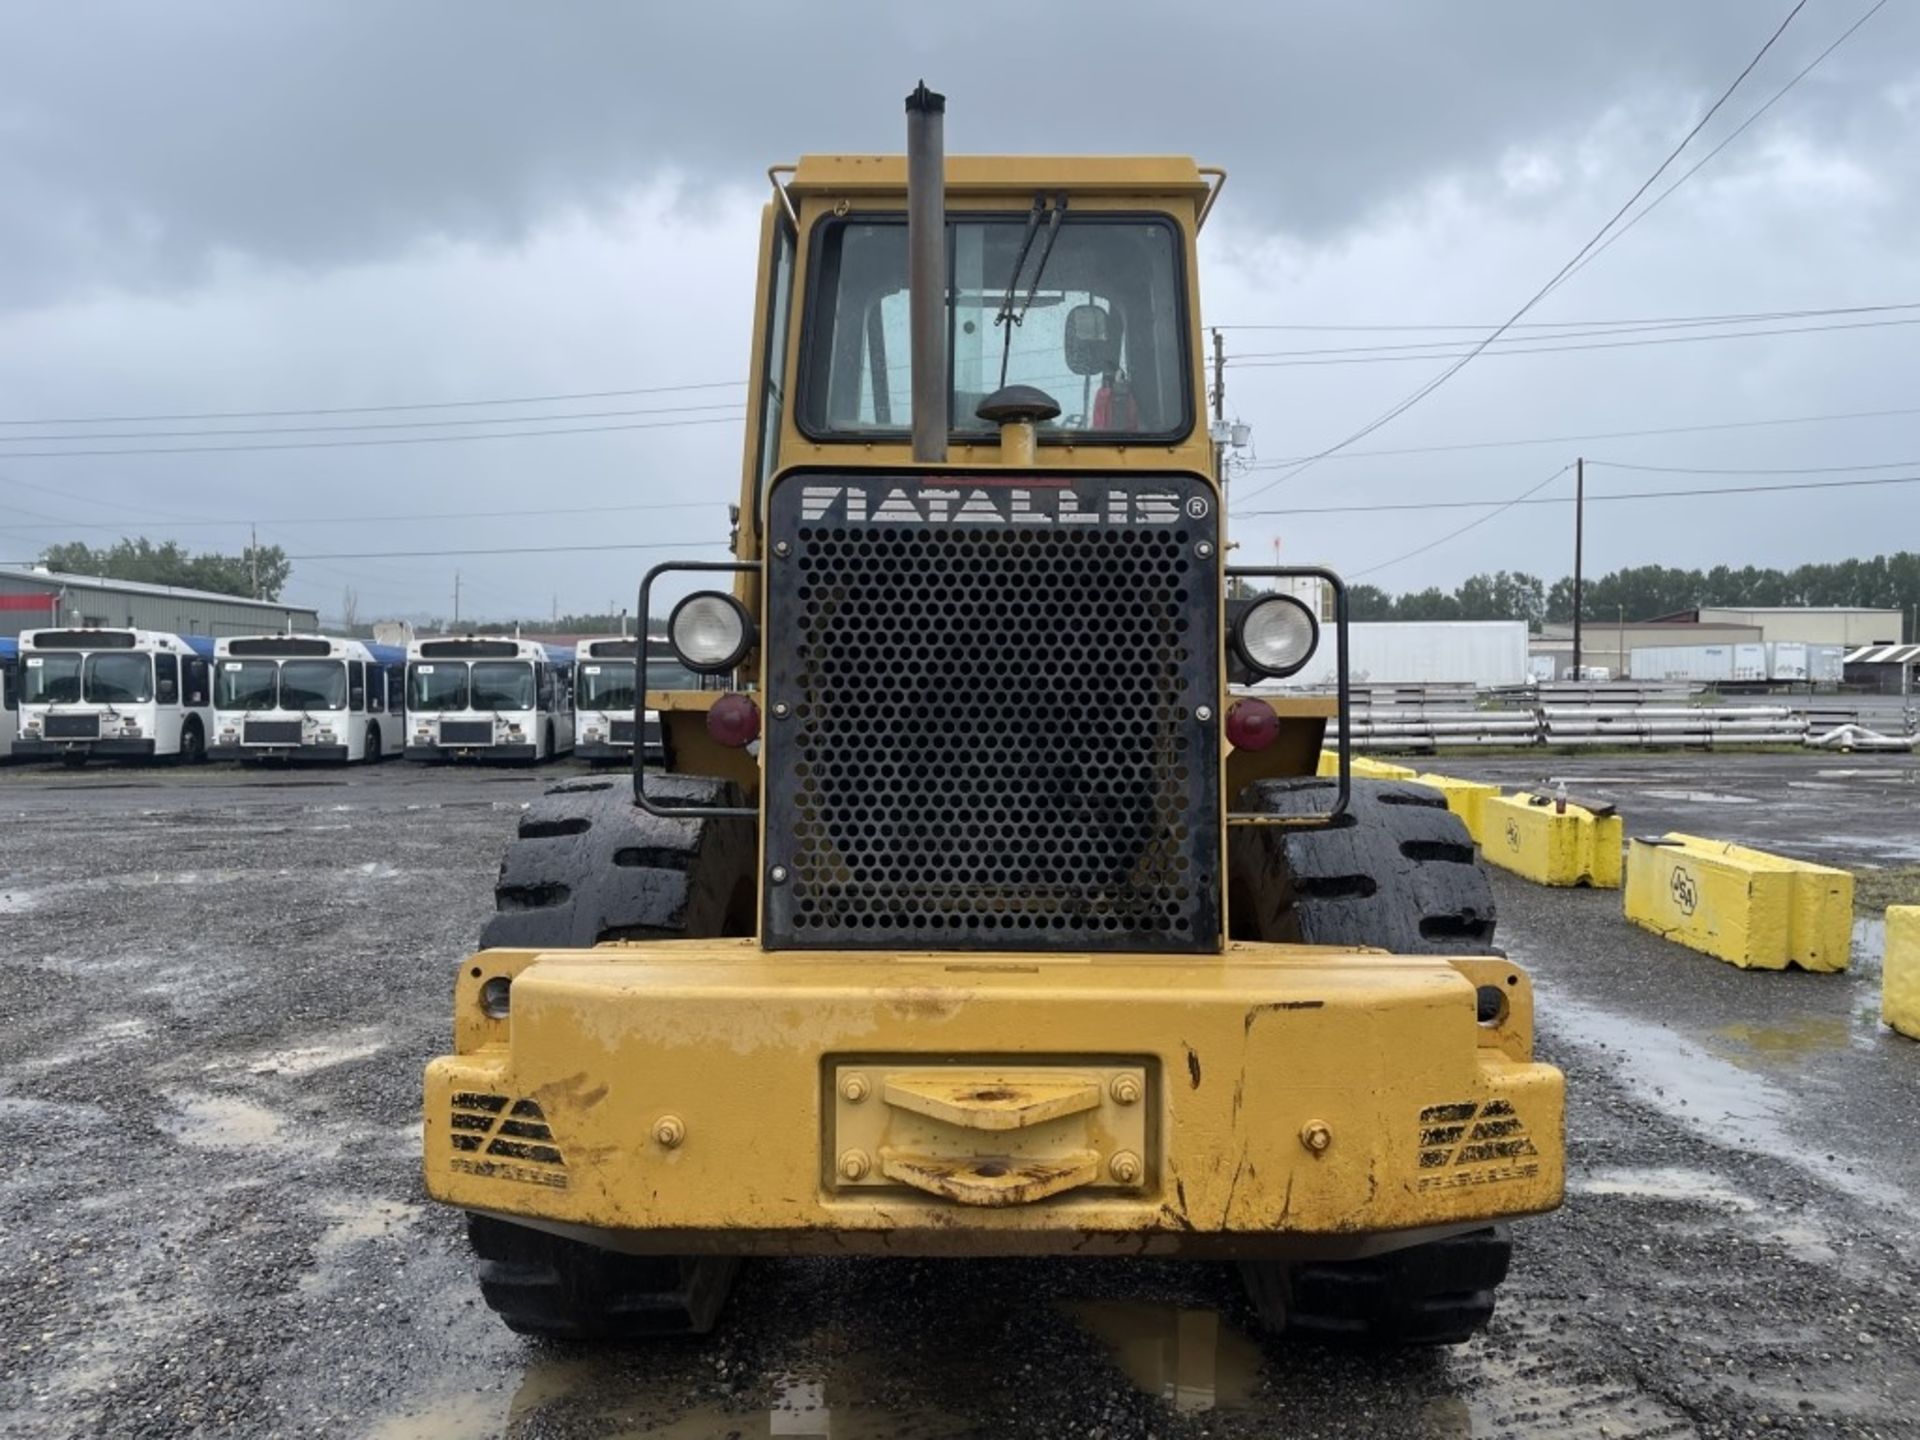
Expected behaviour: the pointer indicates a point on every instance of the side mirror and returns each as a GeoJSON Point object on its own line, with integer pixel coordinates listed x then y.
{"type": "Point", "coordinates": [1091, 340]}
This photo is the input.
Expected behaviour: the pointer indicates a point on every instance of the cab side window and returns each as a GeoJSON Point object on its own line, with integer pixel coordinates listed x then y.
{"type": "Point", "coordinates": [356, 685]}
{"type": "Point", "coordinates": [166, 677]}
{"type": "Point", "coordinates": [197, 677]}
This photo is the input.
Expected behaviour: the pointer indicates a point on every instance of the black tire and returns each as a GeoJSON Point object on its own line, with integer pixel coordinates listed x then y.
{"type": "Point", "coordinates": [551, 754]}
{"type": "Point", "coordinates": [541, 1284]}
{"type": "Point", "coordinates": [1399, 873]}
{"type": "Point", "coordinates": [588, 865]}
{"type": "Point", "coordinates": [73, 759]}
{"type": "Point", "coordinates": [1440, 1293]}
{"type": "Point", "coordinates": [373, 755]}
{"type": "Point", "coordinates": [193, 745]}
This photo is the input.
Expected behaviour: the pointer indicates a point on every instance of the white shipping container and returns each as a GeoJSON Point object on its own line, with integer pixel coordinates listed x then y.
{"type": "Point", "coordinates": [1706, 663]}
{"type": "Point", "coordinates": [1540, 667]}
{"type": "Point", "coordinates": [1826, 664]}
{"type": "Point", "coordinates": [1482, 653]}
{"type": "Point", "coordinates": [1788, 660]}
{"type": "Point", "coordinates": [1750, 661]}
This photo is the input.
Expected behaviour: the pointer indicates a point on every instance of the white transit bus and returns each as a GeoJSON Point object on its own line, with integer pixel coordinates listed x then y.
{"type": "Point", "coordinates": [113, 692]}
{"type": "Point", "coordinates": [488, 697]}
{"type": "Point", "coordinates": [9, 693]}
{"type": "Point", "coordinates": [604, 699]}
{"type": "Point", "coordinates": [307, 697]}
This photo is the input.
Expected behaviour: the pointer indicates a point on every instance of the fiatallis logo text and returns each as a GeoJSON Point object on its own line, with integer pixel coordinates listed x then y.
{"type": "Point", "coordinates": [999, 505]}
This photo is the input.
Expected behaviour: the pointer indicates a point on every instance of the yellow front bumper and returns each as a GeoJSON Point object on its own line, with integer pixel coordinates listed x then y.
{"type": "Point", "coordinates": [708, 1096]}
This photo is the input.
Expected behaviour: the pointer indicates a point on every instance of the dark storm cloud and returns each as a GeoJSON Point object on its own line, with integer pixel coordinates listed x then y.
{"type": "Point", "coordinates": [139, 142]}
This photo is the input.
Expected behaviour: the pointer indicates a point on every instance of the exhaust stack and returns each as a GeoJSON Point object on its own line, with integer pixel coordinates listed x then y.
{"type": "Point", "coordinates": [927, 269]}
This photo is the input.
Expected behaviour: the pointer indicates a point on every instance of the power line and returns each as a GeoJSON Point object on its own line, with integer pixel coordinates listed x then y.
{"type": "Point", "coordinates": [365, 519]}
{"type": "Point", "coordinates": [376, 409]}
{"type": "Point", "coordinates": [1791, 470]}
{"type": "Point", "coordinates": [509, 550]}
{"type": "Point", "coordinates": [376, 425]}
{"type": "Point", "coordinates": [1523, 499]}
{"type": "Point", "coordinates": [1650, 322]}
{"type": "Point", "coordinates": [1360, 355]}
{"type": "Point", "coordinates": [1733, 135]}
{"type": "Point", "coordinates": [357, 444]}
{"type": "Point", "coordinates": [1470, 525]}
{"type": "Point", "coordinates": [1577, 439]}
{"type": "Point", "coordinates": [1419, 394]}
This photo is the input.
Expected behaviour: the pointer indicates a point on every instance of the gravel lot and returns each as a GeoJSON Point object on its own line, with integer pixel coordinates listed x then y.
{"type": "Point", "coordinates": [221, 987]}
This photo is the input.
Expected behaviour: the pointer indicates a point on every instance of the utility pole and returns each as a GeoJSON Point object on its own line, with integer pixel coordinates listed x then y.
{"type": "Point", "coordinates": [456, 600]}
{"type": "Point", "coordinates": [253, 557]}
{"type": "Point", "coordinates": [1579, 521]}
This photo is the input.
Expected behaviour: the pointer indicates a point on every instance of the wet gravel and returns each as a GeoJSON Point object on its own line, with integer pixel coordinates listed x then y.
{"type": "Point", "coordinates": [219, 993]}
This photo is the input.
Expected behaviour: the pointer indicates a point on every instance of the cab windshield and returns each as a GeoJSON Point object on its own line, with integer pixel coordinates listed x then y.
{"type": "Point", "coordinates": [245, 685]}
{"type": "Point", "coordinates": [439, 685]}
{"type": "Point", "coordinates": [118, 679]}
{"type": "Point", "coordinates": [502, 685]}
{"type": "Point", "coordinates": [610, 684]}
{"type": "Point", "coordinates": [1104, 333]}
{"type": "Point", "coordinates": [313, 685]}
{"type": "Point", "coordinates": [50, 679]}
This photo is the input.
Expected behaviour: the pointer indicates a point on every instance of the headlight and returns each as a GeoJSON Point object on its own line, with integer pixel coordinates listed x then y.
{"type": "Point", "coordinates": [710, 632]}
{"type": "Point", "coordinates": [1277, 635]}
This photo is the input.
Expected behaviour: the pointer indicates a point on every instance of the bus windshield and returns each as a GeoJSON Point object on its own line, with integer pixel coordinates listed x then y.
{"type": "Point", "coordinates": [119, 679]}
{"type": "Point", "coordinates": [313, 685]}
{"type": "Point", "coordinates": [245, 685]}
{"type": "Point", "coordinates": [51, 680]}
{"type": "Point", "coordinates": [604, 685]}
{"type": "Point", "coordinates": [502, 685]}
{"type": "Point", "coordinates": [441, 685]}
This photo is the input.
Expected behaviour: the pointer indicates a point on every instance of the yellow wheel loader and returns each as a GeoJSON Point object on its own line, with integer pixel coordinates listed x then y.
{"type": "Point", "coordinates": [986, 906]}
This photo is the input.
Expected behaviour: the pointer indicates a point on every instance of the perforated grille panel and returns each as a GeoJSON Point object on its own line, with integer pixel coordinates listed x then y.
{"type": "Point", "coordinates": [990, 737]}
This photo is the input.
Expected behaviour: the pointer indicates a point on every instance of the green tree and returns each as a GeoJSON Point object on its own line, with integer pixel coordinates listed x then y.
{"type": "Point", "coordinates": [260, 570]}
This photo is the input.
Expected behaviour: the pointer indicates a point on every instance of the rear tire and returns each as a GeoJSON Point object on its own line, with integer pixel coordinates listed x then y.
{"type": "Point", "coordinates": [373, 745]}
{"type": "Point", "coordinates": [1397, 872]}
{"type": "Point", "coordinates": [193, 745]}
{"type": "Point", "coordinates": [588, 865]}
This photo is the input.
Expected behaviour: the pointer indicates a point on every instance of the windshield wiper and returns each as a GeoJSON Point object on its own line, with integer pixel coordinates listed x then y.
{"type": "Point", "coordinates": [1008, 316]}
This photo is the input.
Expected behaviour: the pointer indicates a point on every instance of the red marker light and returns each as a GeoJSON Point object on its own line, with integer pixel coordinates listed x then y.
{"type": "Point", "coordinates": [1251, 724]}
{"type": "Point", "coordinates": [734, 720]}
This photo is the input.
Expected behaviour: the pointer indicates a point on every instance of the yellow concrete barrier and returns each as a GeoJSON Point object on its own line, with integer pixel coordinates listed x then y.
{"type": "Point", "coordinates": [1364, 768]}
{"type": "Point", "coordinates": [1526, 834]}
{"type": "Point", "coordinates": [1900, 975]}
{"type": "Point", "coordinates": [1749, 908]}
{"type": "Point", "coordinates": [1466, 798]}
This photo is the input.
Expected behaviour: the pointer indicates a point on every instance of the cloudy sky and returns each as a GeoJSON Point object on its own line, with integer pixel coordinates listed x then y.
{"type": "Point", "coordinates": [208, 209]}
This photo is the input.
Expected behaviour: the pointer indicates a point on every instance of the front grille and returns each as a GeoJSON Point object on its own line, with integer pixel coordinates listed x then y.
{"type": "Point", "coordinates": [622, 732]}
{"type": "Point", "coordinates": [990, 738]}
{"type": "Point", "coordinates": [271, 732]}
{"type": "Point", "coordinates": [73, 727]}
{"type": "Point", "coordinates": [466, 732]}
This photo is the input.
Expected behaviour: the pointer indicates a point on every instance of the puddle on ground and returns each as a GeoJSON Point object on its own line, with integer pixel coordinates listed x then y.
{"type": "Point", "coordinates": [1699, 797]}
{"type": "Point", "coordinates": [19, 902]}
{"type": "Point", "coordinates": [1723, 1101]}
{"type": "Point", "coordinates": [301, 1060]}
{"type": "Point", "coordinates": [1793, 1040]}
{"type": "Point", "coordinates": [1185, 1356]}
{"type": "Point", "coordinates": [223, 1122]}
{"type": "Point", "coordinates": [1869, 943]}
{"type": "Point", "coordinates": [800, 1408]}
{"type": "Point", "coordinates": [1665, 1183]}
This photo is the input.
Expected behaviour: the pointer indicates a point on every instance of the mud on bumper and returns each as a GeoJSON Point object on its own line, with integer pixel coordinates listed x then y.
{"type": "Point", "coordinates": [688, 1096]}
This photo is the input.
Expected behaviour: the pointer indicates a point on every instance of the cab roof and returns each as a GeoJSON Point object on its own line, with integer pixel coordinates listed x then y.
{"type": "Point", "coordinates": [998, 174]}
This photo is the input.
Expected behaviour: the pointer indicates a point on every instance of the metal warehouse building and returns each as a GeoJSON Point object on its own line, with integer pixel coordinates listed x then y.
{"type": "Point", "coordinates": [31, 599]}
